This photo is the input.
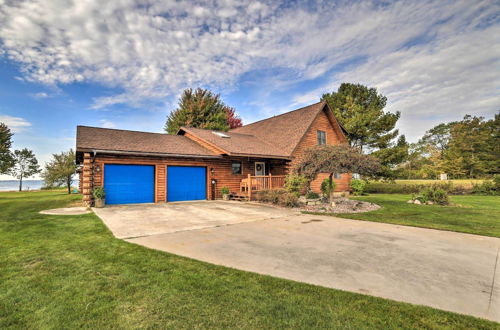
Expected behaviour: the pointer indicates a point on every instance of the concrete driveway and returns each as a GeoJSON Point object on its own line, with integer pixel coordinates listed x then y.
{"type": "Point", "coordinates": [137, 220]}
{"type": "Point", "coordinates": [446, 270]}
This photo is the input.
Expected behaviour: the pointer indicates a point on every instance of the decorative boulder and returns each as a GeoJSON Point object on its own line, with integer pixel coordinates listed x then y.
{"type": "Point", "coordinates": [430, 203]}
{"type": "Point", "coordinates": [411, 201]}
{"type": "Point", "coordinates": [417, 202]}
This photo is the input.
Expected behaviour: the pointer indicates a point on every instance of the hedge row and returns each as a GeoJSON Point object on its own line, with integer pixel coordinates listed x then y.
{"type": "Point", "coordinates": [397, 188]}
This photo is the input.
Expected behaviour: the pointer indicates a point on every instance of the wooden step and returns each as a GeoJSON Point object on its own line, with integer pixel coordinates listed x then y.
{"type": "Point", "coordinates": [241, 198]}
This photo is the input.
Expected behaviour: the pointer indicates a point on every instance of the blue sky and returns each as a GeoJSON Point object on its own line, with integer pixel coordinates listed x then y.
{"type": "Point", "coordinates": [123, 64]}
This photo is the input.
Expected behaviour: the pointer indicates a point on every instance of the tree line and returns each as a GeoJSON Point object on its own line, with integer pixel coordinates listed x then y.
{"type": "Point", "coordinates": [469, 148]}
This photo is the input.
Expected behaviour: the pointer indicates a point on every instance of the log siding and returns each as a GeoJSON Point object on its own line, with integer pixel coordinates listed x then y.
{"type": "Point", "coordinates": [334, 136]}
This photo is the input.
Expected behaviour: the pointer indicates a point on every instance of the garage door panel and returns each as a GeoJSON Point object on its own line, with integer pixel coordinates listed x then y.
{"type": "Point", "coordinates": [186, 183]}
{"type": "Point", "coordinates": [129, 184]}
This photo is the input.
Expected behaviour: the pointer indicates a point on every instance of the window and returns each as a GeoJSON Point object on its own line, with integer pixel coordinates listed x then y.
{"type": "Point", "coordinates": [236, 167]}
{"type": "Point", "coordinates": [321, 137]}
{"type": "Point", "coordinates": [337, 176]}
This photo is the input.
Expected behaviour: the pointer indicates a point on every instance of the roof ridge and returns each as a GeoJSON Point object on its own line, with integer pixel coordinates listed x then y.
{"type": "Point", "coordinates": [125, 130]}
{"type": "Point", "coordinates": [213, 130]}
{"type": "Point", "coordinates": [281, 114]}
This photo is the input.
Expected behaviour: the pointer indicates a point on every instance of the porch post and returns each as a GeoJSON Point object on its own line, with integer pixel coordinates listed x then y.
{"type": "Point", "coordinates": [249, 187]}
{"type": "Point", "coordinates": [270, 181]}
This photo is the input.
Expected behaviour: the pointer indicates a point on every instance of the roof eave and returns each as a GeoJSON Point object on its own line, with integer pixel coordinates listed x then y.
{"type": "Point", "coordinates": [142, 153]}
{"type": "Point", "coordinates": [260, 156]}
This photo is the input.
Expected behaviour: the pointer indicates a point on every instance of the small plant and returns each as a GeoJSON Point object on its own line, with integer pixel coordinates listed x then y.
{"type": "Point", "coordinates": [312, 195]}
{"type": "Point", "coordinates": [326, 188]}
{"type": "Point", "coordinates": [224, 190]}
{"type": "Point", "coordinates": [358, 187]}
{"type": "Point", "coordinates": [99, 193]}
{"type": "Point", "coordinates": [295, 183]}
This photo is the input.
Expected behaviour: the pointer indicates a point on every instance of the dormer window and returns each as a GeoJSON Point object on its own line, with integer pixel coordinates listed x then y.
{"type": "Point", "coordinates": [321, 138]}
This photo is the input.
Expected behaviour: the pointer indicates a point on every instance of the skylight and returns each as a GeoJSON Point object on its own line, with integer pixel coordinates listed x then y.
{"type": "Point", "coordinates": [222, 135]}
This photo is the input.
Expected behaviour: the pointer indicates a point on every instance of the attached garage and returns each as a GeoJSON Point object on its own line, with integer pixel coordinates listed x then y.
{"type": "Point", "coordinates": [186, 183]}
{"type": "Point", "coordinates": [129, 184]}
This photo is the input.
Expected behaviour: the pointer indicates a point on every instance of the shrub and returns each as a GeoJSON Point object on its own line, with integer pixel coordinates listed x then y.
{"type": "Point", "coordinates": [99, 193]}
{"type": "Point", "coordinates": [358, 187]}
{"type": "Point", "coordinates": [312, 195]}
{"type": "Point", "coordinates": [435, 195]}
{"type": "Point", "coordinates": [326, 189]}
{"type": "Point", "coordinates": [225, 190]}
{"type": "Point", "coordinates": [295, 183]}
{"type": "Point", "coordinates": [289, 200]}
{"type": "Point", "coordinates": [278, 197]}
{"type": "Point", "coordinates": [489, 187]}
{"type": "Point", "coordinates": [397, 188]}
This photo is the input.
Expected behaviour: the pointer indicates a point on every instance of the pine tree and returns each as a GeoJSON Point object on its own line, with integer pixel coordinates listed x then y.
{"type": "Point", "coordinates": [6, 160]}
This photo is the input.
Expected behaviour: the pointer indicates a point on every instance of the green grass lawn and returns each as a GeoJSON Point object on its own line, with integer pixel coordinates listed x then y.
{"type": "Point", "coordinates": [69, 271]}
{"type": "Point", "coordinates": [471, 214]}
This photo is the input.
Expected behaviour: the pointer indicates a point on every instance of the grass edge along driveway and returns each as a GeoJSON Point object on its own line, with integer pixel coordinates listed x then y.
{"type": "Point", "coordinates": [479, 215]}
{"type": "Point", "coordinates": [69, 271]}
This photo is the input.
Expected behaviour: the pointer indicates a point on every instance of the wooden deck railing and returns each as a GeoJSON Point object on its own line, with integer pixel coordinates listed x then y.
{"type": "Point", "coordinates": [254, 183]}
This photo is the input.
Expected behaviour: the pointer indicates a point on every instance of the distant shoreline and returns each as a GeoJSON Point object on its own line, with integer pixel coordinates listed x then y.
{"type": "Point", "coordinates": [28, 185]}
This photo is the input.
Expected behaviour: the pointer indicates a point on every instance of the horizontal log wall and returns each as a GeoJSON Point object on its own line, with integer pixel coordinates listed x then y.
{"type": "Point", "coordinates": [217, 169]}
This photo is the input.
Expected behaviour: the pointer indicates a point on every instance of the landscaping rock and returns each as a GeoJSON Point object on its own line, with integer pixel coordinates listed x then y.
{"type": "Point", "coordinates": [340, 205]}
{"type": "Point", "coordinates": [417, 202]}
{"type": "Point", "coordinates": [430, 203]}
{"type": "Point", "coordinates": [411, 201]}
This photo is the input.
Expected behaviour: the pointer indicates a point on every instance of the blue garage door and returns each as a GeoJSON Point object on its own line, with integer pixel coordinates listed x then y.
{"type": "Point", "coordinates": [186, 183]}
{"type": "Point", "coordinates": [128, 184]}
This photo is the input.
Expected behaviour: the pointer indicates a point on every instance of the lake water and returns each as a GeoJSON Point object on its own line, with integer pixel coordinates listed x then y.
{"type": "Point", "coordinates": [13, 185]}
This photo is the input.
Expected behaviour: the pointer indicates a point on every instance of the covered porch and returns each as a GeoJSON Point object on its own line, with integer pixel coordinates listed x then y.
{"type": "Point", "coordinates": [254, 183]}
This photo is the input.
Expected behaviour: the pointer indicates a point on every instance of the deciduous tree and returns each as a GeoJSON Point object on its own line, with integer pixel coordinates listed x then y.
{"type": "Point", "coordinates": [233, 120]}
{"type": "Point", "coordinates": [60, 170]}
{"type": "Point", "coordinates": [202, 109]}
{"type": "Point", "coordinates": [472, 148]}
{"type": "Point", "coordinates": [25, 165]}
{"type": "Point", "coordinates": [335, 159]}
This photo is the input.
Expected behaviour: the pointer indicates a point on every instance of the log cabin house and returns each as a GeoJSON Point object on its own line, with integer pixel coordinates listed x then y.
{"type": "Point", "coordinates": [141, 167]}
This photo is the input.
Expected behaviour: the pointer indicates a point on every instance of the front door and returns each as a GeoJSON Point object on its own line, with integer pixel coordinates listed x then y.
{"type": "Point", "coordinates": [260, 168]}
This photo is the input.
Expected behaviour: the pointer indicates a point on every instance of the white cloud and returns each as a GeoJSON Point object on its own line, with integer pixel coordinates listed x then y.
{"type": "Point", "coordinates": [40, 95]}
{"type": "Point", "coordinates": [423, 54]}
{"type": "Point", "coordinates": [16, 124]}
{"type": "Point", "coordinates": [107, 123]}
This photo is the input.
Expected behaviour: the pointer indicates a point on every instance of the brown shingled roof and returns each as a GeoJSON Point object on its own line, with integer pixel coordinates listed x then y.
{"type": "Point", "coordinates": [95, 138]}
{"type": "Point", "coordinates": [286, 130]}
{"type": "Point", "coordinates": [237, 144]}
